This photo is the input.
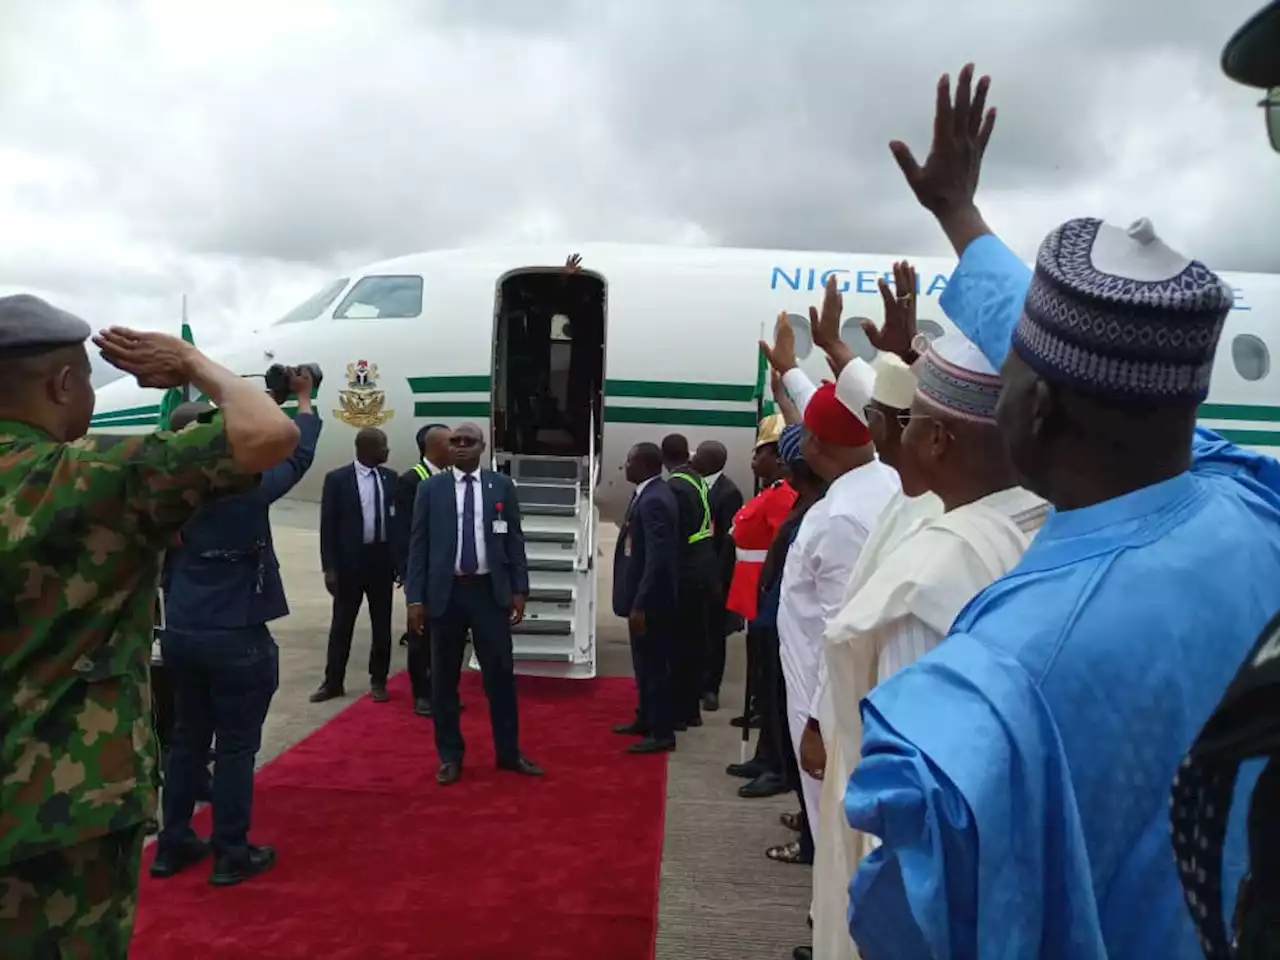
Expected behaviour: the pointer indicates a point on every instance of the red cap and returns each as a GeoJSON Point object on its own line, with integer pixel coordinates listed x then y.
{"type": "Point", "coordinates": [832, 422]}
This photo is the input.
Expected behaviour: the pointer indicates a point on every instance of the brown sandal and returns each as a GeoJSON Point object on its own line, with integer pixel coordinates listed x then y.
{"type": "Point", "coordinates": [791, 821]}
{"type": "Point", "coordinates": [786, 853]}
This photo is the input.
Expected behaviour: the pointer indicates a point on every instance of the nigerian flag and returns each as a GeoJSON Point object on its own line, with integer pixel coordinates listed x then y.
{"type": "Point", "coordinates": [175, 396]}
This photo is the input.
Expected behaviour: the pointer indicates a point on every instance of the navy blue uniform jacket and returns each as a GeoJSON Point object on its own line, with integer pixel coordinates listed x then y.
{"type": "Point", "coordinates": [224, 575]}
{"type": "Point", "coordinates": [646, 560]}
{"type": "Point", "coordinates": [342, 520]}
{"type": "Point", "coordinates": [433, 541]}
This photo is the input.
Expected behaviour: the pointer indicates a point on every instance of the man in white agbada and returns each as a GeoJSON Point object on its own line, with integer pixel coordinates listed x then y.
{"type": "Point", "coordinates": [902, 600]}
{"type": "Point", "coordinates": [838, 447]}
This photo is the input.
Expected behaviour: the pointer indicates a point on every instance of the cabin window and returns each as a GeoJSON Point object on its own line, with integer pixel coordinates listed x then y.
{"type": "Point", "coordinates": [855, 338]}
{"type": "Point", "coordinates": [1250, 356]}
{"type": "Point", "coordinates": [382, 298]}
{"type": "Point", "coordinates": [804, 336]}
{"type": "Point", "coordinates": [316, 304]}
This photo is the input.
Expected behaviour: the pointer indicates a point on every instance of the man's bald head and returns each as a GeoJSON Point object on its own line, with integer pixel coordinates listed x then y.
{"type": "Point", "coordinates": [371, 447]}
{"type": "Point", "coordinates": [467, 446]}
{"type": "Point", "coordinates": [711, 457]}
{"type": "Point", "coordinates": [185, 413]}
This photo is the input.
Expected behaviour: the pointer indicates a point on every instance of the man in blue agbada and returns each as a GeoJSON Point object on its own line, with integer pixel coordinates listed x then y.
{"type": "Point", "coordinates": [1018, 776]}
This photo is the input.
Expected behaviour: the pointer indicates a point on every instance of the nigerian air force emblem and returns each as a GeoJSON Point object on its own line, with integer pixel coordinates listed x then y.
{"type": "Point", "coordinates": [363, 403]}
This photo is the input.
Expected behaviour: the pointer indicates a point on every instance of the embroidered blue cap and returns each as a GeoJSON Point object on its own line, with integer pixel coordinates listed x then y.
{"type": "Point", "coordinates": [1118, 314]}
{"type": "Point", "coordinates": [789, 444]}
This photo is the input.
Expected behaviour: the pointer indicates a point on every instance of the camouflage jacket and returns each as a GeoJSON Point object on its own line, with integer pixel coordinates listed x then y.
{"type": "Point", "coordinates": [82, 527]}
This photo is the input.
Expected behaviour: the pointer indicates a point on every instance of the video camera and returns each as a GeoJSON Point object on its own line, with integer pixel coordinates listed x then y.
{"type": "Point", "coordinates": [278, 376]}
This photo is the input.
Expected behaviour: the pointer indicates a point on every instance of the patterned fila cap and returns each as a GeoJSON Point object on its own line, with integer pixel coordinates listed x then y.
{"type": "Point", "coordinates": [1118, 314]}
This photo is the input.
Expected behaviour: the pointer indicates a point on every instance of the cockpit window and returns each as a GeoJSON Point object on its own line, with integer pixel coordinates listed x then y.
{"type": "Point", "coordinates": [315, 304]}
{"type": "Point", "coordinates": [382, 298]}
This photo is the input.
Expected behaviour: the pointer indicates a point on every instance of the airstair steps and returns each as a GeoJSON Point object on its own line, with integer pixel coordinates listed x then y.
{"type": "Point", "coordinates": [559, 521]}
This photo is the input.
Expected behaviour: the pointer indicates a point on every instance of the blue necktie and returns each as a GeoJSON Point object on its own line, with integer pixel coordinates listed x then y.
{"type": "Point", "coordinates": [377, 509]}
{"type": "Point", "coordinates": [470, 563]}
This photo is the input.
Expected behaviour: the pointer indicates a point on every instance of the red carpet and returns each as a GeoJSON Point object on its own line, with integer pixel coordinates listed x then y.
{"type": "Point", "coordinates": [377, 861]}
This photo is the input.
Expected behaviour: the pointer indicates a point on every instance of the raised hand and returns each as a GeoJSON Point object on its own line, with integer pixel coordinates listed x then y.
{"type": "Point", "coordinates": [154, 359]}
{"type": "Point", "coordinates": [899, 330]}
{"type": "Point", "coordinates": [573, 263]}
{"type": "Point", "coordinates": [948, 179]}
{"type": "Point", "coordinates": [782, 354]}
{"type": "Point", "coordinates": [825, 323]}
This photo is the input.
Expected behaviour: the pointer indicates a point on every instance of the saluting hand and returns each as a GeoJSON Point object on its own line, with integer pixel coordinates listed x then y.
{"type": "Point", "coordinates": [949, 178]}
{"type": "Point", "coordinates": [154, 359]}
{"type": "Point", "coordinates": [899, 330]}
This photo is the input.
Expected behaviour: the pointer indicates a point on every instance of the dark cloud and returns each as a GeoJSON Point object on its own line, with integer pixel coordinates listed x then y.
{"type": "Point", "coordinates": [239, 155]}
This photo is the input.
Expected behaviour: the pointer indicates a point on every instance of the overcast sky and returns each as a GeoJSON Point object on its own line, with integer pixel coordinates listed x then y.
{"type": "Point", "coordinates": [241, 152]}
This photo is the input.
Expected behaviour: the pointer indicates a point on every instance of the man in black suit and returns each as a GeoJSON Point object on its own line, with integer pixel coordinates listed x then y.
{"type": "Point", "coordinates": [467, 570]}
{"type": "Point", "coordinates": [726, 500]}
{"type": "Point", "coordinates": [645, 564]}
{"type": "Point", "coordinates": [433, 458]}
{"type": "Point", "coordinates": [699, 576]}
{"type": "Point", "coordinates": [357, 510]}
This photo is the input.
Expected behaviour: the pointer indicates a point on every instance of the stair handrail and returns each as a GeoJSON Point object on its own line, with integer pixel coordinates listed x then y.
{"type": "Point", "coordinates": [588, 548]}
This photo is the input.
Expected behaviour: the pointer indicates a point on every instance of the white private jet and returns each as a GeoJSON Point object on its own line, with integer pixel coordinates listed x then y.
{"type": "Point", "coordinates": [566, 371]}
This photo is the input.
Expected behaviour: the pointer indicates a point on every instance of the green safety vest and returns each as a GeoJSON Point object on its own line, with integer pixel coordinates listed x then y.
{"type": "Point", "coordinates": [701, 486]}
{"type": "Point", "coordinates": [421, 470]}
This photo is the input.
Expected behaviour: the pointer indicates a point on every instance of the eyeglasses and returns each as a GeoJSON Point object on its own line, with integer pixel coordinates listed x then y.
{"type": "Point", "coordinates": [876, 415]}
{"type": "Point", "coordinates": [1271, 104]}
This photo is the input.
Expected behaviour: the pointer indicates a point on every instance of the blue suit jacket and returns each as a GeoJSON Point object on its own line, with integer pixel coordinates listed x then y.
{"type": "Point", "coordinates": [433, 541]}
{"type": "Point", "coordinates": [342, 519]}
{"type": "Point", "coordinates": [224, 575]}
{"type": "Point", "coordinates": [646, 561]}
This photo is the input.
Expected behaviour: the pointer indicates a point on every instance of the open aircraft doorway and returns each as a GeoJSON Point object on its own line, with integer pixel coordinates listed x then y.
{"type": "Point", "coordinates": [548, 363]}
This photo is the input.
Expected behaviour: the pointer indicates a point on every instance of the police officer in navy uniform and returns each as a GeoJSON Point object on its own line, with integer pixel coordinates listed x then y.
{"type": "Point", "coordinates": [434, 457]}
{"type": "Point", "coordinates": [224, 588]}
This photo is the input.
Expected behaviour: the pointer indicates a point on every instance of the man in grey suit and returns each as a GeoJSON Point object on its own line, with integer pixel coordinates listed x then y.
{"type": "Point", "coordinates": [467, 570]}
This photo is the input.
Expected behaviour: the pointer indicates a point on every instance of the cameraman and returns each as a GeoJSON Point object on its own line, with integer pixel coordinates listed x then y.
{"type": "Point", "coordinates": [223, 589]}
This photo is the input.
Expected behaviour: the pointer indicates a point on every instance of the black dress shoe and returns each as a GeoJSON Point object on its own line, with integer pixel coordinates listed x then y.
{"type": "Point", "coordinates": [747, 771]}
{"type": "Point", "coordinates": [802, 953]}
{"type": "Point", "coordinates": [679, 726]}
{"type": "Point", "coordinates": [693, 722]}
{"type": "Point", "coordinates": [632, 729]}
{"type": "Point", "coordinates": [379, 692]}
{"type": "Point", "coordinates": [768, 784]}
{"type": "Point", "coordinates": [710, 702]}
{"type": "Point", "coordinates": [521, 765]}
{"type": "Point", "coordinates": [324, 693]}
{"type": "Point", "coordinates": [227, 872]}
{"type": "Point", "coordinates": [653, 745]}
{"type": "Point", "coordinates": [176, 859]}
{"type": "Point", "coordinates": [755, 722]}
{"type": "Point", "coordinates": [422, 707]}
{"type": "Point", "coordinates": [449, 772]}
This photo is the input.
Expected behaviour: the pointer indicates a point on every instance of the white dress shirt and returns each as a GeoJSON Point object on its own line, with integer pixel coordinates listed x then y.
{"type": "Point", "coordinates": [461, 488]}
{"type": "Point", "coordinates": [369, 483]}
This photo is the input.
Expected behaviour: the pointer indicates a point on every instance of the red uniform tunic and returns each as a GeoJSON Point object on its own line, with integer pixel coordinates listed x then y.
{"type": "Point", "coordinates": [754, 528]}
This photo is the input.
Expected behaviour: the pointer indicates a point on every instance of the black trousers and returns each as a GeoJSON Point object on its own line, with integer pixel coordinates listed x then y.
{"type": "Point", "coordinates": [651, 660]}
{"type": "Point", "coordinates": [472, 607]}
{"type": "Point", "coordinates": [419, 649]}
{"type": "Point", "coordinates": [375, 582]}
{"type": "Point", "coordinates": [762, 691]}
{"type": "Point", "coordinates": [717, 637]}
{"type": "Point", "coordinates": [690, 653]}
{"type": "Point", "coordinates": [775, 733]}
{"type": "Point", "coordinates": [162, 707]}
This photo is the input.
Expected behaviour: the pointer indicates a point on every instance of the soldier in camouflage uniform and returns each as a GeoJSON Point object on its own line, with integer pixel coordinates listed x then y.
{"type": "Point", "coordinates": [82, 523]}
